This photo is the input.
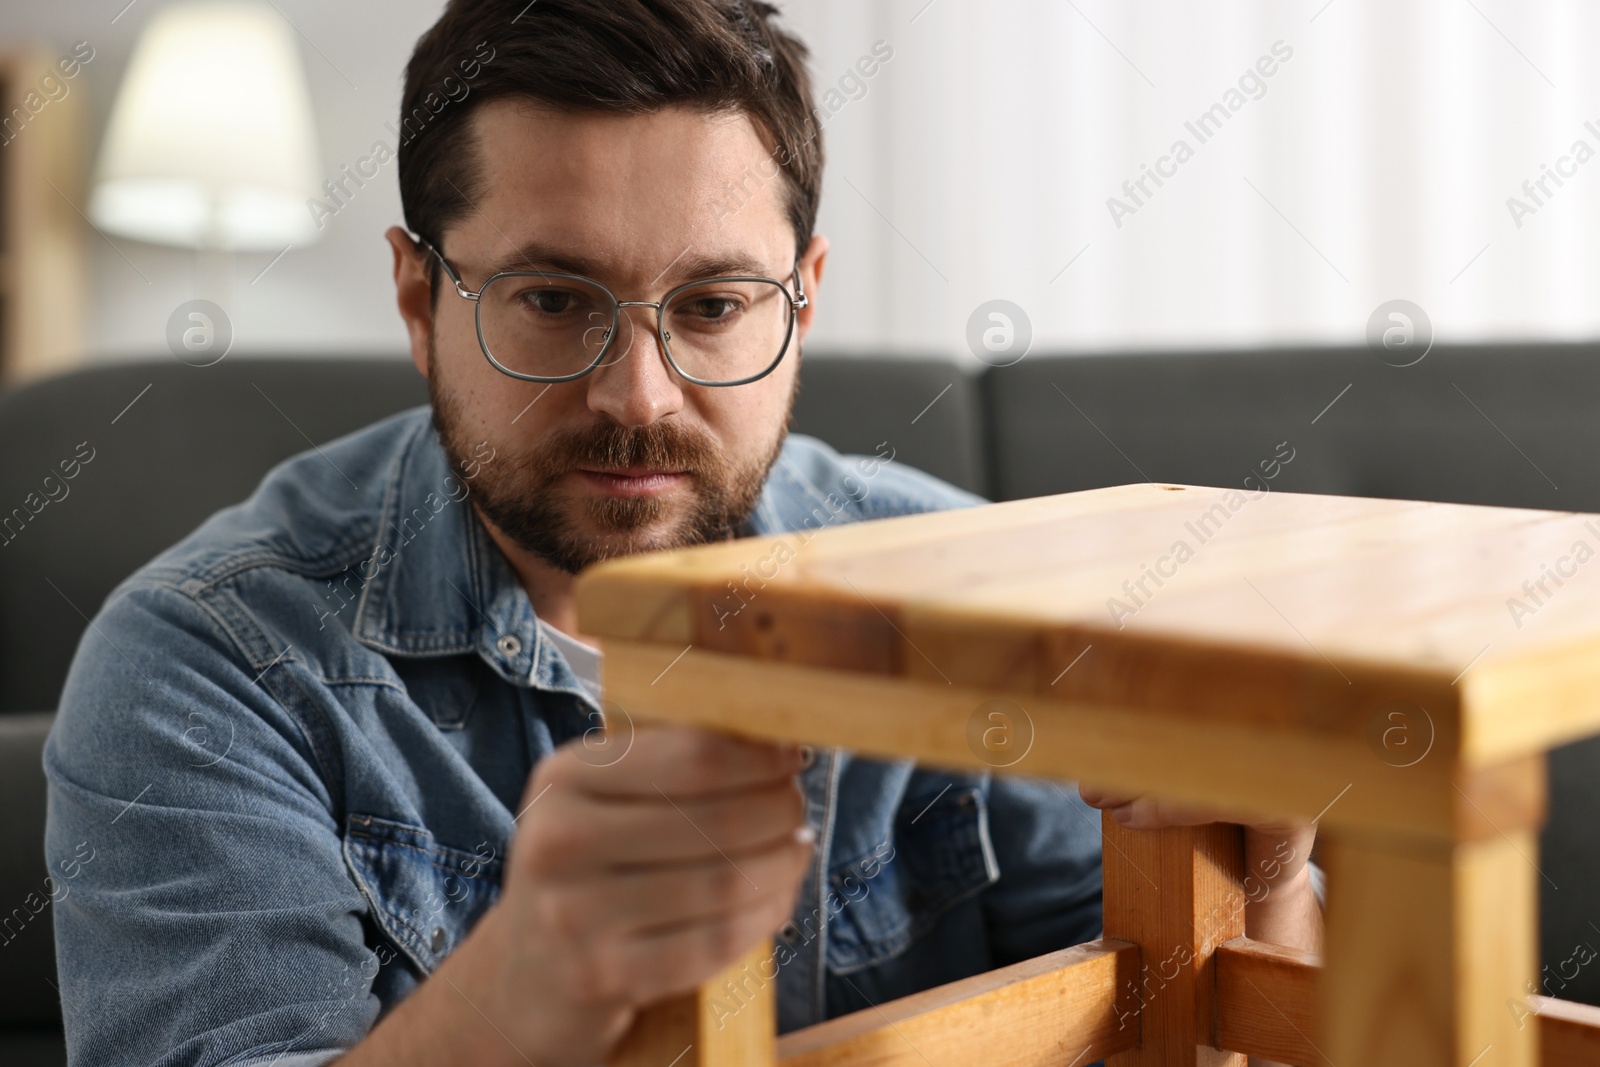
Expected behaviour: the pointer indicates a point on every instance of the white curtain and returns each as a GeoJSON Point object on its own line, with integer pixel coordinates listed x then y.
{"type": "Point", "coordinates": [1375, 162]}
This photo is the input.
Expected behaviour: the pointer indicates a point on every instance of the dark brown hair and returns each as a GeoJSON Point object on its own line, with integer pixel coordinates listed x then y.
{"type": "Point", "coordinates": [600, 55]}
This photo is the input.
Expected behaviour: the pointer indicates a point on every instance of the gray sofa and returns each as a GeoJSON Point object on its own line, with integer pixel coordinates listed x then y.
{"type": "Point", "coordinates": [1513, 425]}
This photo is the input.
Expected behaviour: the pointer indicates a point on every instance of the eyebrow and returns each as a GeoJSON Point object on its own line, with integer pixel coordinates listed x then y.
{"type": "Point", "coordinates": [689, 265]}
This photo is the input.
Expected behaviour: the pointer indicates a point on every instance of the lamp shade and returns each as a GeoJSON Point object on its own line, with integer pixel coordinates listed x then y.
{"type": "Point", "coordinates": [211, 142]}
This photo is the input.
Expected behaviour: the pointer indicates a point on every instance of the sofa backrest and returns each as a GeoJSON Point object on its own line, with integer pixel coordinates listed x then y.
{"type": "Point", "coordinates": [927, 409]}
{"type": "Point", "coordinates": [154, 449]}
{"type": "Point", "coordinates": [1508, 425]}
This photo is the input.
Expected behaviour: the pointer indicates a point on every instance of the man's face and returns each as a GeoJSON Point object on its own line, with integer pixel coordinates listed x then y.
{"type": "Point", "coordinates": [630, 457]}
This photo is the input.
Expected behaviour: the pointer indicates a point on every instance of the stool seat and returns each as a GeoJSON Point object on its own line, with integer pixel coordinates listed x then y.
{"type": "Point", "coordinates": [1395, 670]}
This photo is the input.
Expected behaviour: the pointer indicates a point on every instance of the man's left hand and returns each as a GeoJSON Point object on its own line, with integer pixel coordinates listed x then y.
{"type": "Point", "coordinates": [1281, 906]}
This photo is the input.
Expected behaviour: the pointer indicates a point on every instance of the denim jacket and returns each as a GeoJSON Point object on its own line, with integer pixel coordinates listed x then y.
{"type": "Point", "coordinates": [289, 750]}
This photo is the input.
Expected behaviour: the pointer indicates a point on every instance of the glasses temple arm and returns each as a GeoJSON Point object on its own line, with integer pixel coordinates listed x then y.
{"type": "Point", "coordinates": [455, 279]}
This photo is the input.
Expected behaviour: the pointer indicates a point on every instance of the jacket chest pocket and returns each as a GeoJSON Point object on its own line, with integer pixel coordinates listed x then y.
{"type": "Point", "coordinates": [425, 896]}
{"type": "Point", "coordinates": [889, 897]}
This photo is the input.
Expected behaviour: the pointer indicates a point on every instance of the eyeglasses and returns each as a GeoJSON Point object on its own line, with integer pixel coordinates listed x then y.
{"type": "Point", "coordinates": [542, 326]}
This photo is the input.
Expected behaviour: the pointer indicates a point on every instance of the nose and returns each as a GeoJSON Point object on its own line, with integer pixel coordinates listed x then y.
{"type": "Point", "coordinates": [635, 386]}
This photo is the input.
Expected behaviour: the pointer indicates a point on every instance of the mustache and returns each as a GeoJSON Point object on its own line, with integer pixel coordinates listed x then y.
{"type": "Point", "coordinates": [662, 445]}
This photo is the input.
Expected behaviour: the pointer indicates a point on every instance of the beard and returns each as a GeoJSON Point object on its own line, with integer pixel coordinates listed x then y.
{"type": "Point", "coordinates": [520, 490]}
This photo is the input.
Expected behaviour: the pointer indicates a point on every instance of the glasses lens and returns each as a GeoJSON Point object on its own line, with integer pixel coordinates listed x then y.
{"type": "Point", "coordinates": [549, 326]}
{"type": "Point", "coordinates": [726, 331]}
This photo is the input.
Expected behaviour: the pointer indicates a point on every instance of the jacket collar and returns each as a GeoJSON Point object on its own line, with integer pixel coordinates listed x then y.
{"type": "Point", "coordinates": [442, 586]}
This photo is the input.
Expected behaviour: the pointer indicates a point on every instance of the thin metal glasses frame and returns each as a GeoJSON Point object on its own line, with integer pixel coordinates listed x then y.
{"type": "Point", "coordinates": [796, 302]}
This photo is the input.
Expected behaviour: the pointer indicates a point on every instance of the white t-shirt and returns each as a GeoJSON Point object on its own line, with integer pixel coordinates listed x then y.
{"type": "Point", "coordinates": [583, 659]}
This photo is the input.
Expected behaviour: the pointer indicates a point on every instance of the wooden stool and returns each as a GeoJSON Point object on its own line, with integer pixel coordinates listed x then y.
{"type": "Point", "coordinates": [1395, 670]}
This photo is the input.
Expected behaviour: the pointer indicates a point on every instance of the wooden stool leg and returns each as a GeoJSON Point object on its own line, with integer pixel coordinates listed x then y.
{"type": "Point", "coordinates": [1177, 894]}
{"type": "Point", "coordinates": [731, 1021]}
{"type": "Point", "coordinates": [1428, 947]}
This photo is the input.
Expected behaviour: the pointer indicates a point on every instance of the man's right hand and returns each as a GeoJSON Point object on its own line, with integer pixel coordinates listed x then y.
{"type": "Point", "coordinates": [623, 884]}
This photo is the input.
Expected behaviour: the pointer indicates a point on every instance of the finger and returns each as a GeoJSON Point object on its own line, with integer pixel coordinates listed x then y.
{"type": "Point", "coordinates": [1151, 813]}
{"type": "Point", "coordinates": [1279, 850]}
{"type": "Point", "coordinates": [678, 761]}
{"type": "Point", "coordinates": [661, 963]}
{"type": "Point", "coordinates": [571, 832]}
{"type": "Point", "coordinates": [656, 899]}
{"type": "Point", "coordinates": [1281, 829]}
{"type": "Point", "coordinates": [1097, 797]}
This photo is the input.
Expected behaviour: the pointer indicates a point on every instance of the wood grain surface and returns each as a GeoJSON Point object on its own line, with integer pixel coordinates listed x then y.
{"type": "Point", "coordinates": [1267, 1002]}
{"type": "Point", "coordinates": [1478, 626]}
{"type": "Point", "coordinates": [1052, 1010]}
{"type": "Point", "coordinates": [1178, 895]}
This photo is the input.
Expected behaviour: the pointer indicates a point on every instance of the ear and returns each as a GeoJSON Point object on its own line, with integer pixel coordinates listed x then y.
{"type": "Point", "coordinates": [411, 293]}
{"type": "Point", "coordinates": [811, 267]}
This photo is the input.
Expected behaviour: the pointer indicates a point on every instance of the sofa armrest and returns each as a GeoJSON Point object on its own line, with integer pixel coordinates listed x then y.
{"type": "Point", "coordinates": [27, 938]}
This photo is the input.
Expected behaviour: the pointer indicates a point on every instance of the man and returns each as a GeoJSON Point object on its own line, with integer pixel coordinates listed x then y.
{"type": "Point", "coordinates": [334, 753]}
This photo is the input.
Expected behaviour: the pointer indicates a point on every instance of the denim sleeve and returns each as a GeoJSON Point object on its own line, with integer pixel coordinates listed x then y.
{"type": "Point", "coordinates": [1047, 843]}
{"type": "Point", "coordinates": [203, 912]}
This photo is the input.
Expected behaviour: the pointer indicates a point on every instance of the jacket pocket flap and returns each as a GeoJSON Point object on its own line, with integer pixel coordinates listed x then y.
{"type": "Point", "coordinates": [425, 896]}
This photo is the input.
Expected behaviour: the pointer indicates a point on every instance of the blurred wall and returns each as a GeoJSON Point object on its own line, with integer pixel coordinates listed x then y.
{"type": "Point", "coordinates": [986, 158]}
